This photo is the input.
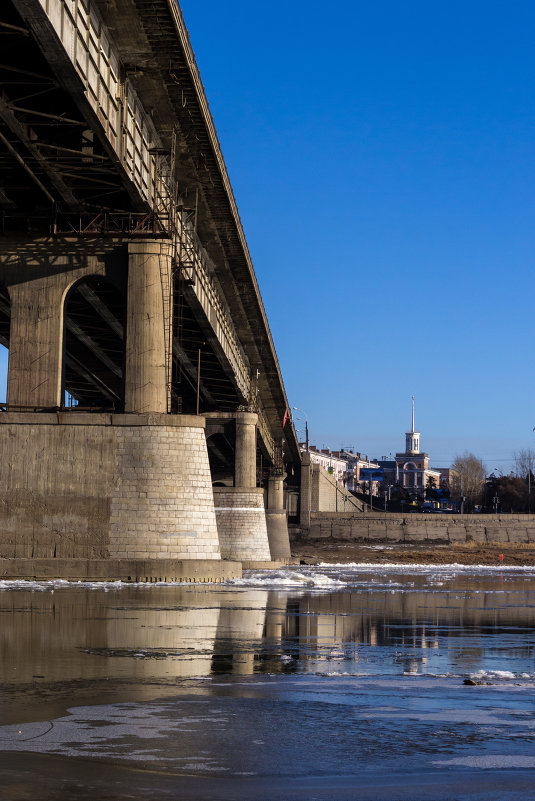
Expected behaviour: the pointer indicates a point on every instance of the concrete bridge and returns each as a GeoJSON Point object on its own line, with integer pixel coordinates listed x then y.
{"type": "Point", "coordinates": [142, 371]}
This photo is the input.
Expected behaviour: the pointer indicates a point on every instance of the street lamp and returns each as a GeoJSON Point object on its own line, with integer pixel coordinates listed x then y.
{"type": "Point", "coordinates": [296, 409]}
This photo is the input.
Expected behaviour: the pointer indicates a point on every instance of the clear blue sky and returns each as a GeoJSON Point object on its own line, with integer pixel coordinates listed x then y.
{"type": "Point", "coordinates": [382, 158]}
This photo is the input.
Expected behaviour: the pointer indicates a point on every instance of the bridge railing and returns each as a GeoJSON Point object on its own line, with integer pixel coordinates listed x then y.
{"type": "Point", "coordinates": [265, 433]}
{"type": "Point", "coordinates": [215, 307]}
{"type": "Point", "coordinates": [127, 126]}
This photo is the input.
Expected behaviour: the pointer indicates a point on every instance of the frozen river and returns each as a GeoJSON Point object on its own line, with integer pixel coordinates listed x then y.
{"type": "Point", "coordinates": [311, 683]}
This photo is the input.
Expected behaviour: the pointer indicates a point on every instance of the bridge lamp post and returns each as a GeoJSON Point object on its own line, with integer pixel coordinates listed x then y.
{"type": "Point", "coordinates": [296, 409]}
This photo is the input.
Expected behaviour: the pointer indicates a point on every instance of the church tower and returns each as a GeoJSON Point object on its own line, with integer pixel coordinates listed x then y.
{"type": "Point", "coordinates": [412, 438]}
{"type": "Point", "coordinates": [412, 467]}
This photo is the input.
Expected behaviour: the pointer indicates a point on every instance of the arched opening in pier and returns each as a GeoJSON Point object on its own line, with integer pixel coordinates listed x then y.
{"type": "Point", "coordinates": [93, 350]}
{"type": "Point", "coordinates": [5, 322]}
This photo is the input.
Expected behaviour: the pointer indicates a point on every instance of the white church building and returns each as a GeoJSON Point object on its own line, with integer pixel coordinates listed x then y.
{"type": "Point", "coordinates": [412, 466]}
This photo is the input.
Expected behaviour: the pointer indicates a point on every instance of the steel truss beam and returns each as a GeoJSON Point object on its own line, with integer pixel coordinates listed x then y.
{"type": "Point", "coordinates": [19, 130]}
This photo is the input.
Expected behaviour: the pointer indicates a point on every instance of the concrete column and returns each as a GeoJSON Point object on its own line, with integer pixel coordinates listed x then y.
{"type": "Point", "coordinates": [306, 490]}
{"type": "Point", "coordinates": [245, 459]}
{"type": "Point", "coordinates": [148, 334]}
{"type": "Point", "coordinates": [276, 491]}
{"type": "Point", "coordinates": [276, 519]}
{"type": "Point", "coordinates": [36, 342]}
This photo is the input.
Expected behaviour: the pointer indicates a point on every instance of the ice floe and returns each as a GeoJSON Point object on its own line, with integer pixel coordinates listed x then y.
{"type": "Point", "coordinates": [286, 578]}
{"type": "Point", "coordinates": [496, 675]}
{"type": "Point", "coordinates": [489, 761]}
{"type": "Point", "coordinates": [398, 567]}
{"type": "Point", "coordinates": [60, 584]}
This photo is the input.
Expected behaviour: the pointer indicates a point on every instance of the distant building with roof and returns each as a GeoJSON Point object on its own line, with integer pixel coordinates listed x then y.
{"type": "Point", "coordinates": [412, 471]}
{"type": "Point", "coordinates": [345, 466]}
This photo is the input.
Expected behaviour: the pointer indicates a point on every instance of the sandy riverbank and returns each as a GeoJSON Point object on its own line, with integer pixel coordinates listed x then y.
{"type": "Point", "coordinates": [467, 554]}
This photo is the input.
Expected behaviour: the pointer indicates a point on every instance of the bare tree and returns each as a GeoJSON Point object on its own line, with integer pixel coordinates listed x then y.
{"type": "Point", "coordinates": [523, 463]}
{"type": "Point", "coordinates": [468, 478]}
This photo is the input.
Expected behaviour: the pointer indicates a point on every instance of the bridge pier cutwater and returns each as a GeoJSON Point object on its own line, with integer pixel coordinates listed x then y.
{"type": "Point", "coordinates": [135, 442]}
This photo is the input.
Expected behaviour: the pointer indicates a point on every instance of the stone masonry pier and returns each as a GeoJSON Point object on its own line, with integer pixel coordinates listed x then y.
{"type": "Point", "coordinates": [83, 487]}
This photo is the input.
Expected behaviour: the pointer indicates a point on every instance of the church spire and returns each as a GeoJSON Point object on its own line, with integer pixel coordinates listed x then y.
{"type": "Point", "coordinates": [412, 437]}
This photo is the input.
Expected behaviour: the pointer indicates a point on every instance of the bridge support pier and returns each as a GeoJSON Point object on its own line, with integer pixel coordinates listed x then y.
{"type": "Point", "coordinates": [240, 512]}
{"type": "Point", "coordinates": [306, 490]}
{"type": "Point", "coordinates": [119, 492]}
{"type": "Point", "coordinates": [35, 353]}
{"type": "Point", "coordinates": [276, 519]}
{"type": "Point", "coordinates": [132, 488]}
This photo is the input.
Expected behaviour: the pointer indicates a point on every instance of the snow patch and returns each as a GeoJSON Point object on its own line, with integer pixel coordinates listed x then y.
{"type": "Point", "coordinates": [285, 578]}
{"type": "Point", "coordinates": [493, 675]}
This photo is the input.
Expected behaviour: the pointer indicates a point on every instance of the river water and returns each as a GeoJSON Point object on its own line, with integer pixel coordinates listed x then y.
{"type": "Point", "coordinates": [316, 683]}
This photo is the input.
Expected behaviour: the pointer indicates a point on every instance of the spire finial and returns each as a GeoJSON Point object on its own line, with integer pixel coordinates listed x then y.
{"type": "Point", "coordinates": [412, 429]}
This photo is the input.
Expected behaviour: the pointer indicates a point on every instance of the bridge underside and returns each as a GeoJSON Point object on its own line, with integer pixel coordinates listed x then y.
{"type": "Point", "coordinates": [61, 177]}
{"type": "Point", "coordinates": [57, 178]}
{"type": "Point", "coordinates": [126, 286]}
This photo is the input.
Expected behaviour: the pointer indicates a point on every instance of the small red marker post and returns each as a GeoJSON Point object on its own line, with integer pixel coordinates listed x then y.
{"type": "Point", "coordinates": [501, 557]}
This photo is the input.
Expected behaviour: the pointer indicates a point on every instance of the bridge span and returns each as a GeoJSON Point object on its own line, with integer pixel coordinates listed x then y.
{"type": "Point", "coordinates": [145, 417]}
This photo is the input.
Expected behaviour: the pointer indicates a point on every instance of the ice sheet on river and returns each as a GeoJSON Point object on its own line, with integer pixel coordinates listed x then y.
{"type": "Point", "coordinates": [323, 577]}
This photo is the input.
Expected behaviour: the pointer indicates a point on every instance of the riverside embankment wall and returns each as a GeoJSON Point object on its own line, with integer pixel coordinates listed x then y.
{"type": "Point", "coordinates": [415, 528]}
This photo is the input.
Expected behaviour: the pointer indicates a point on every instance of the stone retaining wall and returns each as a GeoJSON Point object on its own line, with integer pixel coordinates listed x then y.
{"type": "Point", "coordinates": [421, 528]}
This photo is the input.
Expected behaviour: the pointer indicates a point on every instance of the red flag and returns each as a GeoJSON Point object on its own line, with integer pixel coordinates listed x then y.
{"type": "Point", "coordinates": [285, 417]}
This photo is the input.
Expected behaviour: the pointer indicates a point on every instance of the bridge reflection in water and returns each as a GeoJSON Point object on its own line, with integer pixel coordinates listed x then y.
{"type": "Point", "coordinates": [227, 693]}
{"type": "Point", "coordinates": [150, 634]}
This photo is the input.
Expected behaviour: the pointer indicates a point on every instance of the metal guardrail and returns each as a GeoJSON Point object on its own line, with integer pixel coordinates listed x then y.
{"type": "Point", "coordinates": [265, 433]}
{"type": "Point", "coordinates": [217, 311]}
{"type": "Point", "coordinates": [127, 126]}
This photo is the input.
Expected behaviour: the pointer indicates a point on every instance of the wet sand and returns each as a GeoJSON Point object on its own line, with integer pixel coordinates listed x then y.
{"type": "Point", "coordinates": [344, 552]}
{"type": "Point", "coordinates": [85, 780]}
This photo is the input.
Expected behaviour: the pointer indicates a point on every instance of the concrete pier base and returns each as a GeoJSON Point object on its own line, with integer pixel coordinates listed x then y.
{"type": "Point", "coordinates": [77, 485]}
{"type": "Point", "coordinates": [277, 520]}
{"type": "Point", "coordinates": [240, 510]}
{"type": "Point", "coordinates": [128, 570]}
{"type": "Point", "coordinates": [277, 530]}
{"type": "Point", "coordinates": [241, 523]}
